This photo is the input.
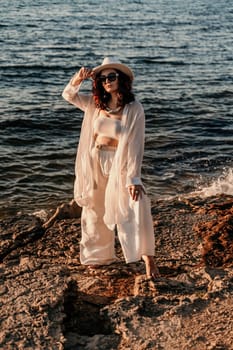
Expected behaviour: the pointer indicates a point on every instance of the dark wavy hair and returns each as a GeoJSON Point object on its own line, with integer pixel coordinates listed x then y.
{"type": "Point", "coordinates": [125, 94]}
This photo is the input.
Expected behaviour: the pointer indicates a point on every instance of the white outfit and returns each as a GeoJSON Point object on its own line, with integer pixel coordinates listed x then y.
{"type": "Point", "coordinates": [102, 180]}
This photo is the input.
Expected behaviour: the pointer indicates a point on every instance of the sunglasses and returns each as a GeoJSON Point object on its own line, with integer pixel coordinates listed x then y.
{"type": "Point", "coordinates": [111, 77]}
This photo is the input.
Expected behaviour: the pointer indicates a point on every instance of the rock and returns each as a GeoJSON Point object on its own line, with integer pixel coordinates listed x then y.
{"type": "Point", "coordinates": [18, 232]}
{"type": "Point", "coordinates": [49, 301]}
{"type": "Point", "coordinates": [64, 211]}
{"type": "Point", "coordinates": [217, 236]}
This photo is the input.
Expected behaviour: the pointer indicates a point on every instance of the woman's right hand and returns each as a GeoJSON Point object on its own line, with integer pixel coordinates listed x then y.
{"type": "Point", "coordinates": [82, 74]}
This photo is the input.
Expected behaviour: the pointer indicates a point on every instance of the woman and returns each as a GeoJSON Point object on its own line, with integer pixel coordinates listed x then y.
{"type": "Point", "coordinates": [108, 168]}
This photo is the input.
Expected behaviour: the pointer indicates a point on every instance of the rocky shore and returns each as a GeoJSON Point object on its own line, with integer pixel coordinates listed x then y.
{"type": "Point", "coordinates": [49, 301]}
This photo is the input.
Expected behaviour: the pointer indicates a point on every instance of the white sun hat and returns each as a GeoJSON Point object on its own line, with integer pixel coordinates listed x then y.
{"type": "Point", "coordinates": [112, 62]}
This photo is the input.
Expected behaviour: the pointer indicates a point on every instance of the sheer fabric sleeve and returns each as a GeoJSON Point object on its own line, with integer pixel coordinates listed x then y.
{"type": "Point", "coordinates": [72, 95]}
{"type": "Point", "coordinates": [136, 149]}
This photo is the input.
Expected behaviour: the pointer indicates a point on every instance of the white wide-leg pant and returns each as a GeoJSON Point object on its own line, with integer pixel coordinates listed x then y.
{"type": "Point", "coordinates": [97, 242]}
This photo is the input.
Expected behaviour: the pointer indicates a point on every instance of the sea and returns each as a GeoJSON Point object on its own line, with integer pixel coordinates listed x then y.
{"type": "Point", "coordinates": [181, 52]}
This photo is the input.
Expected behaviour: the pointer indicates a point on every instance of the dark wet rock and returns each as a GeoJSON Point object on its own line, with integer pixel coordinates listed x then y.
{"type": "Point", "coordinates": [49, 301]}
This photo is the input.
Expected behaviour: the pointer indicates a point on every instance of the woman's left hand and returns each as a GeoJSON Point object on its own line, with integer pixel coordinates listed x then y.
{"type": "Point", "coordinates": [136, 191]}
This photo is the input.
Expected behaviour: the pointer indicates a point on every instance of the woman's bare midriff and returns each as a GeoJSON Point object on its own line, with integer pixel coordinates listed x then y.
{"type": "Point", "coordinates": [107, 141]}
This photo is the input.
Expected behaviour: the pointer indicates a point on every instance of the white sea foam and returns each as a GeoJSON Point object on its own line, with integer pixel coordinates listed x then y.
{"type": "Point", "coordinates": [222, 185]}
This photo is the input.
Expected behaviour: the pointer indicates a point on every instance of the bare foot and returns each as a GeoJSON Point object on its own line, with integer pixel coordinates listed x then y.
{"type": "Point", "coordinates": [151, 269]}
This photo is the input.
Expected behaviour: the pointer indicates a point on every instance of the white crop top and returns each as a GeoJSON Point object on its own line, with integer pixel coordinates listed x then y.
{"type": "Point", "coordinates": [107, 127]}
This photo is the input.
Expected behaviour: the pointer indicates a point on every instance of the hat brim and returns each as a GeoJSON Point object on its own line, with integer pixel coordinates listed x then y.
{"type": "Point", "coordinates": [119, 66]}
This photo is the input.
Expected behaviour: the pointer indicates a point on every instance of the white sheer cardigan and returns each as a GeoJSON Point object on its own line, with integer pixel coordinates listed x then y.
{"type": "Point", "coordinates": [126, 167]}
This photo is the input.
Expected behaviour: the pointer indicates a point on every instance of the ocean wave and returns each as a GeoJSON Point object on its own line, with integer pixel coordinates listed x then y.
{"type": "Point", "coordinates": [161, 60]}
{"type": "Point", "coordinates": [64, 119]}
{"type": "Point", "coordinates": [218, 94]}
{"type": "Point", "coordinates": [221, 185]}
{"type": "Point", "coordinates": [36, 67]}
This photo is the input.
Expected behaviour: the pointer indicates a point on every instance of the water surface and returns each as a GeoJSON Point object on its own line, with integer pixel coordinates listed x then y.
{"type": "Point", "coordinates": [181, 53]}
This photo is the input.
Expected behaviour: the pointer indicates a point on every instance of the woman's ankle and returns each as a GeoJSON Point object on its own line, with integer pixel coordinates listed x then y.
{"type": "Point", "coordinates": [151, 269]}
